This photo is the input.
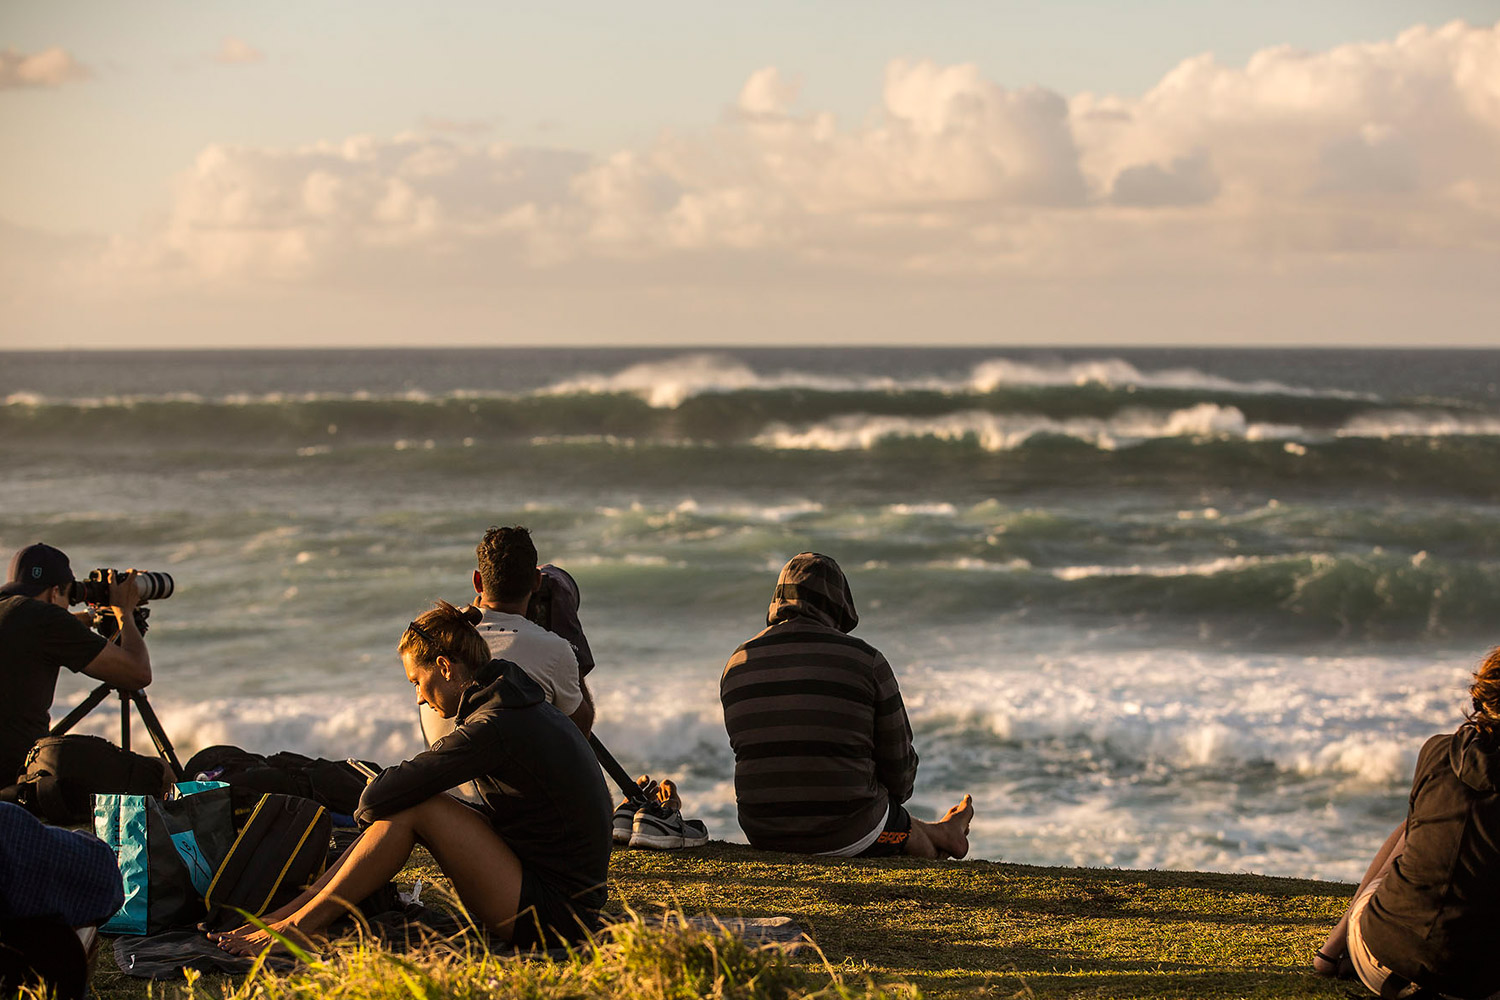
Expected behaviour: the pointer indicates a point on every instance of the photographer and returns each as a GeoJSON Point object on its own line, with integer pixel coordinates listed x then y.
{"type": "Point", "coordinates": [38, 635]}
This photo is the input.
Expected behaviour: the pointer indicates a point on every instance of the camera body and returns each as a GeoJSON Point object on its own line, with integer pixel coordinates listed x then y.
{"type": "Point", "coordinates": [95, 593]}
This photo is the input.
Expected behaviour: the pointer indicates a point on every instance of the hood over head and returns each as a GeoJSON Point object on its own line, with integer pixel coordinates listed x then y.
{"type": "Point", "coordinates": [812, 586]}
{"type": "Point", "coordinates": [1474, 759]}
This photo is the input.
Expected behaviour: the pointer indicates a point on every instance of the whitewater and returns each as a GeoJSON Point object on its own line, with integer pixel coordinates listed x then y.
{"type": "Point", "coordinates": [1173, 609]}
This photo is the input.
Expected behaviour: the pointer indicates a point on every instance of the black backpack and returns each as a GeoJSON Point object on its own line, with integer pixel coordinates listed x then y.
{"type": "Point", "coordinates": [281, 849]}
{"type": "Point", "coordinates": [62, 773]}
{"type": "Point", "coordinates": [330, 783]}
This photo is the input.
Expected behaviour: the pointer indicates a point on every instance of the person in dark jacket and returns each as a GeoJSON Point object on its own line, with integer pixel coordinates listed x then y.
{"type": "Point", "coordinates": [1425, 915]}
{"type": "Point", "coordinates": [823, 757]}
{"type": "Point", "coordinates": [531, 866]}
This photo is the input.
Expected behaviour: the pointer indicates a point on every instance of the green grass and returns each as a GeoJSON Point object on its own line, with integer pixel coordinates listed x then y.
{"type": "Point", "coordinates": [882, 928]}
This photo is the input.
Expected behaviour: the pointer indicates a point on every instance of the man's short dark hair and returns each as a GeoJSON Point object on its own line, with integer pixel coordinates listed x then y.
{"type": "Point", "coordinates": [507, 563]}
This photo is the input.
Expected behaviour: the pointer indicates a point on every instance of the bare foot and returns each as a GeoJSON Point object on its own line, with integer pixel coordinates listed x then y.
{"type": "Point", "coordinates": [1323, 966]}
{"type": "Point", "coordinates": [249, 941]}
{"type": "Point", "coordinates": [950, 835]}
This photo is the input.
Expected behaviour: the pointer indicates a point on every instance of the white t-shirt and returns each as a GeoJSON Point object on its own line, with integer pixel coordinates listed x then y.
{"type": "Point", "coordinates": [547, 658]}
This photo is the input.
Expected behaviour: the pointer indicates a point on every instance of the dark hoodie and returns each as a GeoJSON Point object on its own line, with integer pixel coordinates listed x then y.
{"type": "Point", "coordinates": [1434, 918]}
{"type": "Point", "coordinates": [539, 779]}
{"type": "Point", "coordinates": [821, 740]}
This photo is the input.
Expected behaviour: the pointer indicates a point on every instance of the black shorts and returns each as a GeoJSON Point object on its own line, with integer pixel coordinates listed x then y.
{"type": "Point", "coordinates": [546, 916]}
{"type": "Point", "coordinates": [892, 840]}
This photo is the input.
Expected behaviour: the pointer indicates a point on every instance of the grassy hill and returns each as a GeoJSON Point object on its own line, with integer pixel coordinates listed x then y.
{"type": "Point", "coordinates": [888, 927]}
{"type": "Point", "coordinates": [977, 928]}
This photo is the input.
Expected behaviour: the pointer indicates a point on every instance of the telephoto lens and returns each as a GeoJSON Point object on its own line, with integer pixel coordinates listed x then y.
{"type": "Point", "coordinates": [95, 590]}
{"type": "Point", "coordinates": [154, 586]}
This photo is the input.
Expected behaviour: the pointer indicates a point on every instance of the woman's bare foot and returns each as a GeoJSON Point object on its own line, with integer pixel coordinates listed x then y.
{"type": "Point", "coordinates": [249, 941]}
{"type": "Point", "coordinates": [950, 835]}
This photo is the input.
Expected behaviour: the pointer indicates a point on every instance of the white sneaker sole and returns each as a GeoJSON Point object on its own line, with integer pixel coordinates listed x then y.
{"type": "Point", "coordinates": [664, 842]}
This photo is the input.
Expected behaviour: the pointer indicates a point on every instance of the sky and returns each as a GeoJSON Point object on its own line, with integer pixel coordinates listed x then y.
{"type": "Point", "coordinates": [279, 174]}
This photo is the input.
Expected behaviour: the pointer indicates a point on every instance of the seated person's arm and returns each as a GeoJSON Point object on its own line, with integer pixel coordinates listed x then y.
{"type": "Point", "coordinates": [569, 694]}
{"type": "Point", "coordinates": [463, 755]}
{"type": "Point", "coordinates": [895, 757]}
{"type": "Point", "coordinates": [583, 716]}
{"type": "Point", "coordinates": [124, 663]}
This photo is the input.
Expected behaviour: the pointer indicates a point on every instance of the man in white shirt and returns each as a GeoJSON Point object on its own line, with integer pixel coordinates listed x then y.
{"type": "Point", "coordinates": [505, 579]}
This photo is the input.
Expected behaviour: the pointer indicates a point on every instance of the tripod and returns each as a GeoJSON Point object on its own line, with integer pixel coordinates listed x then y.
{"type": "Point", "coordinates": [148, 718]}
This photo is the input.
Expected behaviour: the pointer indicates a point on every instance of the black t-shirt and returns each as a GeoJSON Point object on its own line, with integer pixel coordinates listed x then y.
{"type": "Point", "coordinates": [36, 638]}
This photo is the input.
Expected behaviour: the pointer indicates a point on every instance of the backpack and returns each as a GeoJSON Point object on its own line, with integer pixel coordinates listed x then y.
{"type": "Point", "coordinates": [281, 849]}
{"type": "Point", "coordinates": [62, 773]}
{"type": "Point", "coordinates": [554, 606]}
{"type": "Point", "coordinates": [331, 783]}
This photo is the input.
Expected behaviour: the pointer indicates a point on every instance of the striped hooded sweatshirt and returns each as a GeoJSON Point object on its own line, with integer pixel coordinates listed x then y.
{"type": "Point", "coordinates": [822, 745]}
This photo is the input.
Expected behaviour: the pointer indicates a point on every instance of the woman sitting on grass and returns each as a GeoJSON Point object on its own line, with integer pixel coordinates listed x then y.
{"type": "Point", "coordinates": [1425, 916]}
{"type": "Point", "coordinates": [531, 866]}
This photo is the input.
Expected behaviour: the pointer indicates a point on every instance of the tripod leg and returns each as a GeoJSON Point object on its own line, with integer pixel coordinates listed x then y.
{"type": "Point", "coordinates": [158, 735]}
{"type": "Point", "coordinates": [84, 708]}
{"type": "Point", "coordinates": [124, 719]}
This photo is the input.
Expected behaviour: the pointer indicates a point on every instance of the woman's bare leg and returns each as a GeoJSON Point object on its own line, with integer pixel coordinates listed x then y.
{"type": "Point", "coordinates": [1338, 938]}
{"type": "Point", "coordinates": [301, 900]}
{"type": "Point", "coordinates": [947, 838]}
{"type": "Point", "coordinates": [483, 869]}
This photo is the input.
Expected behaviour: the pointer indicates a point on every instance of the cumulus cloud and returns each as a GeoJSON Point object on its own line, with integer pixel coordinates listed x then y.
{"type": "Point", "coordinates": [1187, 180]}
{"type": "Point", "coordinates": [48, 68]}
{"type": "Point", "coordinates": [238, 52]}
{"type": "Point", "coordinates": [1385, 147]}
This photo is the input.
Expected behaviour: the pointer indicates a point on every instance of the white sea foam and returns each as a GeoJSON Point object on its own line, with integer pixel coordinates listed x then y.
{"type": "Point", "coordinates": [1116, 373]}
{"type": "Point", "coordinates": [1008, 431]}
{"type": "Point", "coordinates": [922, 509]}
{"type": "Point", "coordinates": [972, 565]}
{"type": "Point", "coordinates": [25, 399]}
{"type": "Point", "coordinates": [1418, 423]}
{"type": "Point", "coordinates": [373, 727]}
{"type": "Point", "coordinates": [668, 383]}
{"type": "Point", "coordinates": [1211, 567]}
{"type": "Point", "coordinates": [1076, 753]}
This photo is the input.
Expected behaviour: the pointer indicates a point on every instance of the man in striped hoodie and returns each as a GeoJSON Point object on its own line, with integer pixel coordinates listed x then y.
{"type": "Point", "coordinates": [822, 747]}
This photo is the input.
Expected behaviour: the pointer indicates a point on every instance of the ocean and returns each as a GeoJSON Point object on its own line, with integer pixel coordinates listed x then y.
{"type": "Point", "coordinates": [1192, 609]}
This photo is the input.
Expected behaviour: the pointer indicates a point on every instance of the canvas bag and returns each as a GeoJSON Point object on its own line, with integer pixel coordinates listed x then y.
{"type": "Point", "coordinates": [168, 851]}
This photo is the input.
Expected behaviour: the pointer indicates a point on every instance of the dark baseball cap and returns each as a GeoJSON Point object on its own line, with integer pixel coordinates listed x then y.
{"type": "Point", "coordinates": [35, 568]}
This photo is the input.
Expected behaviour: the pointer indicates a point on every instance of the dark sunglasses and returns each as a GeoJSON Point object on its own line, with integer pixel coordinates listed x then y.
{"type": "Point", "coordinates": [414, 627]}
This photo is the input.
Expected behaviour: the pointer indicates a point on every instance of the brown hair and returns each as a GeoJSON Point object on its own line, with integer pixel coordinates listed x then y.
{"type": "Point", "coordinates": [1485, 693]}
{"type": "Point", "coordinates": [446, 631]}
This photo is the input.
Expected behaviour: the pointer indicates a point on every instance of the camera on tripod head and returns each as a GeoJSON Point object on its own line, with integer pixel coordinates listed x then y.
{"type": "Point", "coordinates": [95, 593]}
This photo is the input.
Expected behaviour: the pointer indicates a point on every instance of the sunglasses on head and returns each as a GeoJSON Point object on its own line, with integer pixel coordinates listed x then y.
{"type": "Point", "coordinates": [414, 627]}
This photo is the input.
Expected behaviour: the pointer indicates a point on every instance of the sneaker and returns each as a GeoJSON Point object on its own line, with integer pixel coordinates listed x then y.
{"type": "Point", "coordinates": [624, 819]}
{"type": "Point", "coordinates": [666, 831]}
